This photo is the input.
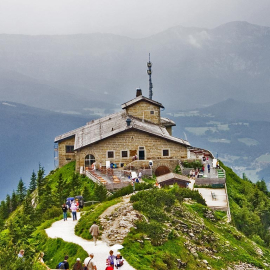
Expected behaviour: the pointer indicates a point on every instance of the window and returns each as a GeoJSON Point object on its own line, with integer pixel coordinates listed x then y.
{"type": "Point", "coordinates": [89, 160]}
{"type": "Point", "coordinates": [166, 152]}
{"type": "Point", "coordinates": [69, 148]}
{"type": "Point", "coordinates": [152, 112]}
{"type": "Point", "coordinates": [124, 154]}
{"type": "Point", "coordinates": [110, 154]}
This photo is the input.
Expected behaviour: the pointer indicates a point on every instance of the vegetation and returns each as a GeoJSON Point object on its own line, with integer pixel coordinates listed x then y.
{"type": "Point", "coordinates": [173, 231]}
{"type": "Point", "coordinates": [173, 234]}
{"type": "Point", "coordinates": [192, 164]}
{"type": "Point", "coordinates": [27, 212]}
{"type": "Point", "coordinates": [250, 207]}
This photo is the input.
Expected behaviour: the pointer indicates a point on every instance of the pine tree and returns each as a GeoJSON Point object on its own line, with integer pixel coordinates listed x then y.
{"type": "Point", "coordinates": [28, 209]}
{"type": "Point", "coordinates": [86, 194]}
{"type": "Point", "coordinates": [8, 204]}
{"type": "Point", "coordinates": [13, 201]}
{"type": "Point", "coordinates": [75, 184]}
{"type": "Point", "coordinates": [4, 211]}
{"type": "Point", "coordinates": [21, 191]}
{"type": "Point", "coordinates": [60, 188]}
{"type": "Point", "coordinates": [33, 182]}
{"type": "Point", "coordinates": [101, 192]}
{"type": "Point", "coordinates": [40, 181]}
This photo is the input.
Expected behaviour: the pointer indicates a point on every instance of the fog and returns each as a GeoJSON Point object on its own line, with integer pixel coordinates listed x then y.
{"type": "Point", "coordinates": [133, 18]}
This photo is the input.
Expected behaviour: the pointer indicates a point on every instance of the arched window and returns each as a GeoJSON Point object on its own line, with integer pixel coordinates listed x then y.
{"type": "Point", "coordinates": [89, 160]}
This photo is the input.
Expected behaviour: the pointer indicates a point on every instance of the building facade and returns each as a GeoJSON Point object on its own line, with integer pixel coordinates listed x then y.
{"type": "Point", "coordinates": [138, 132]}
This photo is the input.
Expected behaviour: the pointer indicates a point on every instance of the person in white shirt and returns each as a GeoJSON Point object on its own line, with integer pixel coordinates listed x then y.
{"type": "Point", "coordinates": [90, 263]}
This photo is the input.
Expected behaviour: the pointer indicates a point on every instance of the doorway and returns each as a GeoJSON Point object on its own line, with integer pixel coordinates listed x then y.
{"type": "Point", "coordinates": [141, 153]}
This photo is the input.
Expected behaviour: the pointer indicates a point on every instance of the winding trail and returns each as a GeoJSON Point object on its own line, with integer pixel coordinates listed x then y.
{"type": "Point", "coordinates": [66, 231]}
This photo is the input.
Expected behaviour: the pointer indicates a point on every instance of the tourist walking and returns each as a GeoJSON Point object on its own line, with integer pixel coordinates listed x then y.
{"type": "Point", "coordinates": [119, 261]}
{"type": "Point", "coordinates": [64, 209]}
{"type": "Point", "coordinates": [40, 259]}
{"type": "Point", "coordinates": [78, 265]}
{"type": "Point", "coordinates": [111, 258]}
{"type": "Point", "coordinates": [64, 264]}
{"type": "Point", "coordinates": [73, 208]}
{"type": "Point", "coordinates": [89, 263]}
{"type": "Point", "coordinates": [94, 230]}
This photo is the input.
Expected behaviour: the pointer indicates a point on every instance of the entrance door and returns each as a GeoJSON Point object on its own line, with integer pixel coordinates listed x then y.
{"type": "Point", "coordinates": [141, 153]}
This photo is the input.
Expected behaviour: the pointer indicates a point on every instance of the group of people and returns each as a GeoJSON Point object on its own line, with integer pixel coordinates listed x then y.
{"type": "Point", "coordinates": [74, 207]}
{"type": "Point", "coordinates": [89, 263]}
{"type": "Point", "coordinates": [114, 261]}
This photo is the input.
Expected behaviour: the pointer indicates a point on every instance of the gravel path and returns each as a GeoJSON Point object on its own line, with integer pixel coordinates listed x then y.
{"type": "Point", "coordinates": [65, 230]}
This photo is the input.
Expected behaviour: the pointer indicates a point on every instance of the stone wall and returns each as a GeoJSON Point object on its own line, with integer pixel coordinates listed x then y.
{"type": "Point", "coordinates": [64, 157]}
{"type": "Point", "coordinates": [130, 141]}
{"type": "Point", "coordinates": [143, 110]}
{"type": "Point", "coordinates": [209, 181]}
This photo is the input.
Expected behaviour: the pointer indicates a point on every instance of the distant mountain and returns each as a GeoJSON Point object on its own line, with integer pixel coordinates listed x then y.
{"type": "Point", "coordinates": [192, 67]}
{"type": "Point", "coordinates": [234, 110]}
{"type": "Point", "coordinates": [27, 135]}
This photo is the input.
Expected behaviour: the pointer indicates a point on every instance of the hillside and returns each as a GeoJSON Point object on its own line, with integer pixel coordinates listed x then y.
{"type": "Point", "coordinates": [209, 65]}
{"type": "Point", "coordinates": [171, 233]}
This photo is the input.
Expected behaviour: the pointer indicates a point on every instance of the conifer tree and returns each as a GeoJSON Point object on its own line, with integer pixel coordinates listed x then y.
{"type": "Point", "coordinates": [86, 193]}
{"type": "Point", "coordinates": [14, 201]}
{"type": "Point", "coordinates": [101, 192]}
{"type": "Point", "coordinates": [33, 182]}
{"type": "Point", "coordinates": [40, 181]}
{"type": "Point", "coordinates": [60, 188]}
{"type": "Point", "coordinates": [75, 184]}
{"type": "Point", "coordinates": [21, 191]}
{"type": "Point", "coordinates": [8, 204]}
{"type": "Point", "coordinates": [4, 211]}
{"type": "Point", "coordinates": [28, 208]}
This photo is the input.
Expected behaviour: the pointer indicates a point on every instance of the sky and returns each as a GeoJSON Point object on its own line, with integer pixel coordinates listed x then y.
{"type": "Point", "coordinates": [133, 18]}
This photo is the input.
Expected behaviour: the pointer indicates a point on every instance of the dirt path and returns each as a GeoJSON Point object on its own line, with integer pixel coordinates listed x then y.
{"type": "Point", "coordinates": [65, 230]}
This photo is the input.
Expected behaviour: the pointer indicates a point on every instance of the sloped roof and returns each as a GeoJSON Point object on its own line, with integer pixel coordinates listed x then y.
{"type": "Point", "coordinates": [139, 98]}
{"type": "Point", "coordinates": [116, 123]}
{"type": "Point", "coordinates": [167, 122]}
{"type": "Point", "coordinates": [169, 176]}
{"type": "Point", "coordinates": [113, 124]}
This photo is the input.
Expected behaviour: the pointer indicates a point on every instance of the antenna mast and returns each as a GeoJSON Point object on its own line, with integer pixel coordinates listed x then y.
{"type": "Point", "coordinates": [149, 72]}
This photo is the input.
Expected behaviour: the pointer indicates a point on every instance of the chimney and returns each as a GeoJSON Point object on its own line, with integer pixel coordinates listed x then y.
{"type": "Point", "coordinates": [128, 122]}
{"type": "Point", "coordinates": [138, 92]}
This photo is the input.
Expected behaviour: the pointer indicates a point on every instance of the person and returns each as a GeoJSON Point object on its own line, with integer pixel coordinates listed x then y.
{"type": "Point", "coordinates": [109, 266]}
{"type": "Point", "coordinates": [140, 175]}
{"type": "Point", "coordinates": [94, 230]}
{"type": "Point", "coordinates": [77, 204]}
{"type": "Point", "coordinates": [21, 253]}
{"type": "Point", "coordinates": [64, 209]}
{"type": "Point", "coordinates": [66, 264]}
{"type": "Point", "coordinates": [208, 167]}
{"type": "Point", "coordinates": [40, 259]}
{"type": "Point", "coordinates": [73, 208]}
{"type": "Point", "coordinates": [111, 258]}
{"type": "Point", "coordinates": [119, 261]}
{"type": "Point", "coordinates": [89, 262]}
{"type": "Point", "coordinates": [78, 265]}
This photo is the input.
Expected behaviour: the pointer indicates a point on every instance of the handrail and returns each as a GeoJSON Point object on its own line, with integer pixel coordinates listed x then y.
{"type": "Point", "coordinates": [228, 206]}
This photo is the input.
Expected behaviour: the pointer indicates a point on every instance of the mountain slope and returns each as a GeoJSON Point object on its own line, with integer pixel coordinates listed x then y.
{"type": "Point", "coordinates": [190, 65]}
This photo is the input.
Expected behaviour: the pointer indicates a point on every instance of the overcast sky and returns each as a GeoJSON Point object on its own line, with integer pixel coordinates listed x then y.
{"type": "Point", "coordinates": [134, 18]}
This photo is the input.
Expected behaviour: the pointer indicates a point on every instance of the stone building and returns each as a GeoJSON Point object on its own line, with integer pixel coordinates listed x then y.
{"type": "Point", "coordinates": [137, 132]}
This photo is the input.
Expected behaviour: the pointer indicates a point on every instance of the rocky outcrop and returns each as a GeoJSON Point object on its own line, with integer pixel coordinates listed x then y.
{"type": "Point", "coordinates": [117, 224]}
